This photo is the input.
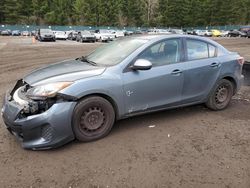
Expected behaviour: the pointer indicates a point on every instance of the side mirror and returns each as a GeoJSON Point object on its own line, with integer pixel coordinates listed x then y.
{"type": "Point", "coordinates": [142, 64]}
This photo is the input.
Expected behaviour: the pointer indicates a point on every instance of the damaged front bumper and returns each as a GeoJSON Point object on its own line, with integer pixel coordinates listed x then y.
{"type": "Point", "coordinates": [40, 129]}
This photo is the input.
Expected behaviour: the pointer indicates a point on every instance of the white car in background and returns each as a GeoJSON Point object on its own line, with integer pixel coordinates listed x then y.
{"type": "Point", "coordinates": [104, 35]}
{"type": "Point", "coordinates": [203, 33]}
{"type": "Point", "coordinates": [61, 35]}
{"type": "Point", "coordinates": [199, 32]}
{"type": "Point", "coordinates": [118, 33]}
{"type": "Point", "coordinates": [159, 31]}
{"type": "Point", "coordinates": [25, 33]}
{"type": "Point", "coordinates": [177, 31]}
{"type": "Point", "coordinates": [224, 33]}
{"type": "Point", "coordinates": [208, 33]}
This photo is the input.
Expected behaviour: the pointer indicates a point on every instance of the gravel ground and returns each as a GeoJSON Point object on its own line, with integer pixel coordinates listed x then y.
{"type": "Point", "coordinates": [186, 147]}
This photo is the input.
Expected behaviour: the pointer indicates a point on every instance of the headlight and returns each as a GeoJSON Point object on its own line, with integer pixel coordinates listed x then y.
{"type": "Point", "coordinates": [47, 90]}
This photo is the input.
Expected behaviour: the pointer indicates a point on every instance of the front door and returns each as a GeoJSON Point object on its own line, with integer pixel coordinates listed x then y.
{"type": "Point", "coordinates": [159, 87]}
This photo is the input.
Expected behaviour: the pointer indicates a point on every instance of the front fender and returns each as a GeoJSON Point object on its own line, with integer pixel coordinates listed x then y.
{"type": "Point", "coordinates": [109, 86]}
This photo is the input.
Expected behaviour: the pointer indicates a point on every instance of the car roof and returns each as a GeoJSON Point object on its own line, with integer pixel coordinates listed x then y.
{"type": "Point", "coordinates": [169, 36]}
{"type": "Point", "coordinates": [158, 37]}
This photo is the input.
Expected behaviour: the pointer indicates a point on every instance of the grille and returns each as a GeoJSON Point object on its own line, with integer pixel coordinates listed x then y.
{"type": "Point", "coordinates": [47, 132]}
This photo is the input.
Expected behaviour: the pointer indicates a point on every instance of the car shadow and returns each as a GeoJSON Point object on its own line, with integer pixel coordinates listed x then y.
{"type": "Point", "coordinates": [157, 117]}
{"type": "Point", "coordinates": [140, 121]}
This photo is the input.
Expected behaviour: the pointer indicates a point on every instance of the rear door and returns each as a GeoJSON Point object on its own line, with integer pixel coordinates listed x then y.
{"type": "Point", "coordinates": [201, 70]}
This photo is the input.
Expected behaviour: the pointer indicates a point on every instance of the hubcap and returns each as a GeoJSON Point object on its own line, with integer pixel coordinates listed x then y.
{"type": "Point", "coordinates": [92, 119]}
{"type": "Point", "coordinates": [221, 94]}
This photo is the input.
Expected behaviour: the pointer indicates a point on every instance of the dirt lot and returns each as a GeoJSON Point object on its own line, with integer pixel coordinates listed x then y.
{"type": "Point", "coordinates": [188, 147]}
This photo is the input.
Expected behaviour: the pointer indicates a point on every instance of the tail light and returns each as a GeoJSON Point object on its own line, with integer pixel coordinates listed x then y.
{"type": "Point", "coordinates": [241, 60]}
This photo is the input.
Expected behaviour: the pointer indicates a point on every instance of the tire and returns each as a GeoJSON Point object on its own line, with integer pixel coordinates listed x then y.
{"type": "Point", "coordinates": [93, 118]}
{"type": "Point", "coordinates": [221, 96]}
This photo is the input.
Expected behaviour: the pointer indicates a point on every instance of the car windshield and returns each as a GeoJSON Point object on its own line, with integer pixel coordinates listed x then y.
{"type": "Point", "coordinates": [86, 32]}
{"type": "Point", "coordinates": [115, 52]}
{"type": "Point", "coordinates": [49, 31]}
{"type": "Point", "coordinates": [104, 31]}
{"type": "Point", "coordinates": [60, 32]}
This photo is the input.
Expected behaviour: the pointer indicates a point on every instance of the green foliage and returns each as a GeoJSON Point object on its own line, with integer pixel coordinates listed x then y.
{"type": "Point", "coordinates": [174, 13]}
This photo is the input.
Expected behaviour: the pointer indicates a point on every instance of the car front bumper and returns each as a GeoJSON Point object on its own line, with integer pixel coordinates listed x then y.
{"type": "Point", "coordinates": [48, 38]}
{"type": "Point", "coordinates": [61, 38]}
{"type": "Point", "coordinates": [88, 39]}
{"type": "Point", "coordinates": [107, 38]}
{"type": "Point", "coordinates": [46, 130]}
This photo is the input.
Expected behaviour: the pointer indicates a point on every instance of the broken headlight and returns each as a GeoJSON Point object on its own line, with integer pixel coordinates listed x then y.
{"type": "Point", "coordinates": [42, 92]}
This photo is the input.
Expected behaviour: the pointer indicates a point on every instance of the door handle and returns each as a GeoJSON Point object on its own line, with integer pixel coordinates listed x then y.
{"type": "Point", "coordinates": [176, 71]}
{"type": "Point", "coordinates": [214, 64]}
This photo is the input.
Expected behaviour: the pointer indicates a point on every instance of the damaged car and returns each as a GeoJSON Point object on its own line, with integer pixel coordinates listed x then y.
{"type": "Point", "coordinates": [82, 98]}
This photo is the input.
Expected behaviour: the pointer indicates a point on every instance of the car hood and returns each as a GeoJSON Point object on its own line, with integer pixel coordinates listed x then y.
{"type": "Point", "coordinates": [69, 70]}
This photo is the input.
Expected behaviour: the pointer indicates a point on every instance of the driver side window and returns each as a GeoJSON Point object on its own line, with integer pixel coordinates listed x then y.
{"type": "Point", "coordinates": [163, 53]}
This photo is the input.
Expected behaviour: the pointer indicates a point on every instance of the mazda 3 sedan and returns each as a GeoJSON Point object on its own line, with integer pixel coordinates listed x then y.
{"type": "Point", "coordinates": [82, 98]}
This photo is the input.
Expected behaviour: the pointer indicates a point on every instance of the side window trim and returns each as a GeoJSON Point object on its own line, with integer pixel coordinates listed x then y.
{"type": "Point", "coordinates": [216, 50]}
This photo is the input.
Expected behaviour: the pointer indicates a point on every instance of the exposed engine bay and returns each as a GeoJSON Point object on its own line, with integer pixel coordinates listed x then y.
{"type": "Point", "coordinates": [34, 106]}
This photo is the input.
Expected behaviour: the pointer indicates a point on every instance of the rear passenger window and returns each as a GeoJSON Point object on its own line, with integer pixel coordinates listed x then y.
{"type": "Point", "coordinates": [211, 50]}
{"type": "Point", "coordinates": [220, 52]}
{"type": "Point", "coordinates": [197, 50]}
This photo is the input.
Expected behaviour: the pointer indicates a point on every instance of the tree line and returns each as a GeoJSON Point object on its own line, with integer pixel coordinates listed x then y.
{"type": "Point", "coordinates": [147, 13]}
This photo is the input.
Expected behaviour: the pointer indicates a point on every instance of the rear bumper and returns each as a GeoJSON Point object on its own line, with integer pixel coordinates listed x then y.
{"type": "Point", "coordinates": [47, 130]}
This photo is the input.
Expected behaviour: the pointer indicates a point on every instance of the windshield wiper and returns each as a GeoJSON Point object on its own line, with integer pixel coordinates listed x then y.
{"type": "Point", "coordinates": [84, 59]}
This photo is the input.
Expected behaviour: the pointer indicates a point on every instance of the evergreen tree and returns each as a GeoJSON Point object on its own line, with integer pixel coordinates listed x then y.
{"type": "Point", "coordinates": [151, 13]}
{"type": "Point", "coordinates": [10, 11]}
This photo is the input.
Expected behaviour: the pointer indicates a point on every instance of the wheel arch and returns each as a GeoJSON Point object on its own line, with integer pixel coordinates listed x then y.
{"type": "Point", "coordinates": [108, 98]}
{"type": "Point", "coordinates": [233, 81]}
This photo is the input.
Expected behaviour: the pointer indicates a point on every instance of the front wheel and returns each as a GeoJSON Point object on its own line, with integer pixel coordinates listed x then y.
{"type": "Point", "coordinates": [93, 118]}
{"type": "Point", "coordinates": [221, 96]}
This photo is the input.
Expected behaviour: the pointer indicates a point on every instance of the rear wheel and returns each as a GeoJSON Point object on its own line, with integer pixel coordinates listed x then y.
{"type": "Point", "coordinates": [93, 118]}
{"type": "Point", "coordinates": [221, 95]}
